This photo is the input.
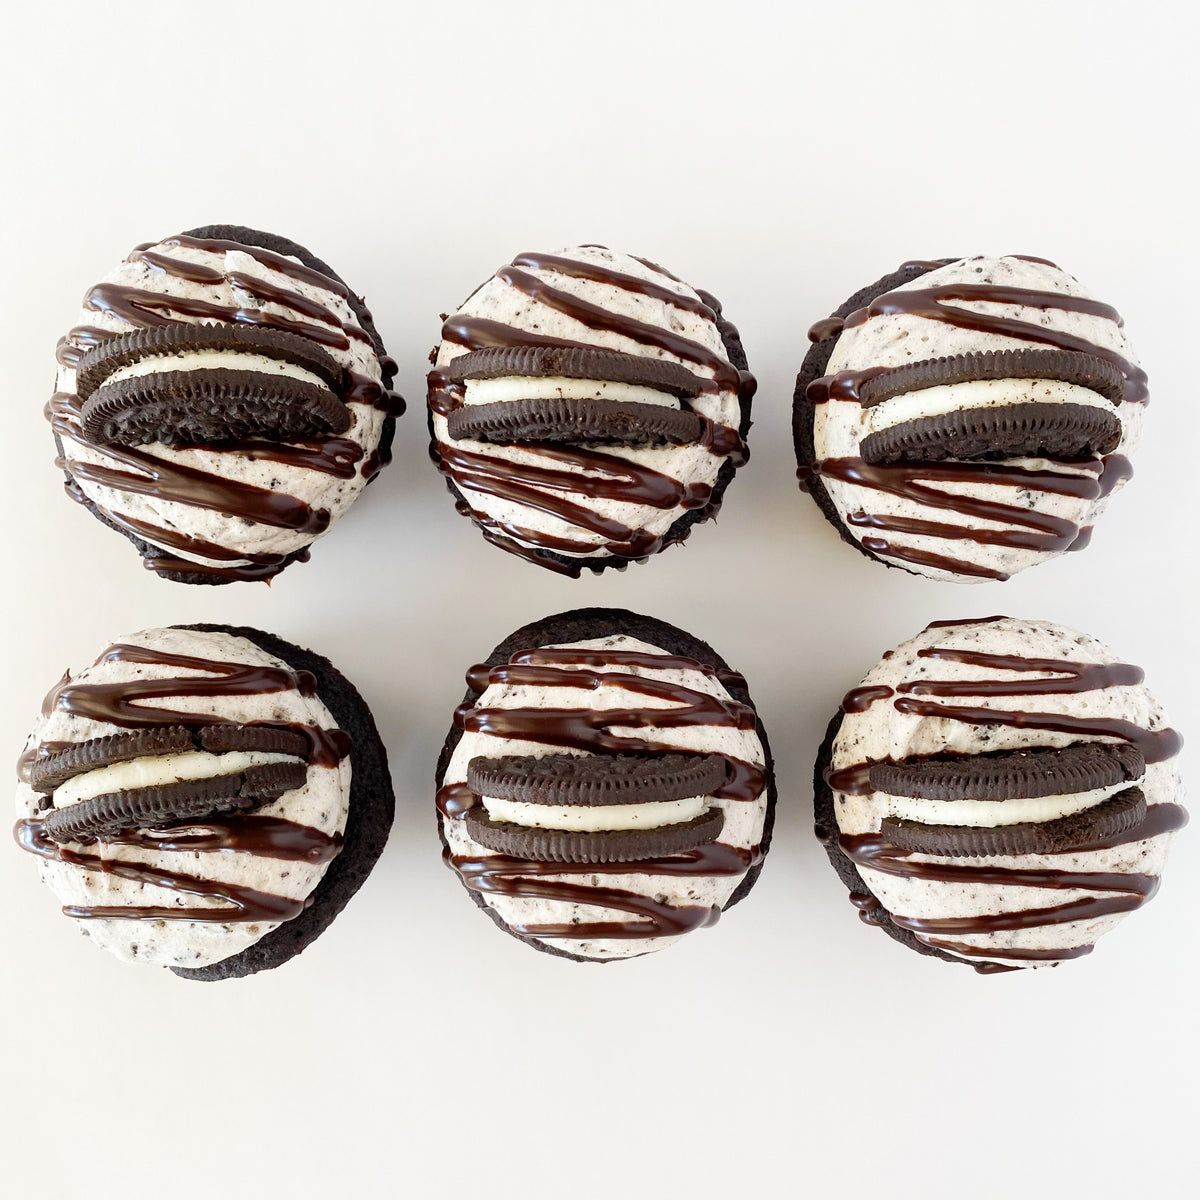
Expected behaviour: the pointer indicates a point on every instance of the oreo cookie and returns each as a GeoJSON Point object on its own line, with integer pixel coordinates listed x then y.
{"type": "Point", "coordinates": [575, 420]}
{"type": "Point", "coordinates": [171, 804]}
{"type": "Point", "coordinates": [48, 772]}
{"type": "Point", "coordinates": [1114, 816]}
{"type": "Point", "coordinates": [587, 624]}
{"type": "Point", "coordinates": [574, 362]}
{"type": "Point", "coordinates": [594, 779]}
{"type": "Point", "coordinates": [209, 405]}
{"type": "Point", "coordinates": [1069, 366]}
{"type": "Point", "coordinates": [600, 846]}
{"type": "Point", "coordinates": [1016, 774]}
{"type": "Point", "coordinates": [372, 809]}
{"type": "Point", "coordinates": [1038, 430]}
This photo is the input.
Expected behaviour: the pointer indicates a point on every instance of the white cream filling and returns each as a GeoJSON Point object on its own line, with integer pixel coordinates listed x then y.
{"type": "Point", "coordinates": [594, 818]}
{"type": "Point", "coordinates": [161, 770]}
{"type": "Point", "coordinates": [989, 814]}
{"type": "Point", "coordinates": [212, 360]}
{"type": "Point", "coordinates": [977, 393]}
{"type": "Point", "coordinates": [553, 387]}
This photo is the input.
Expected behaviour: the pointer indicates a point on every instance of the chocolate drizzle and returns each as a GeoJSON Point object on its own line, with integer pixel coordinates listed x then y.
{"type": "Point", "coordinates": [591, 730]}
{"type": "Point", "coordinates": [578, 471]}
{"type": "Point", "coordinates": [137, 472]}
{"type": "Point", "coordinates": [500, 875]}
{"type": "Point", "coordinates": [1121, 892]}
{"type": "Point", "coordinates": [917, 483]}
{"type": "Point", "coordinates": [122, 704]}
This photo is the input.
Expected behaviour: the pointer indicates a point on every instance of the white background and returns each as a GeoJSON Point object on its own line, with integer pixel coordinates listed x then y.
{"type": "Point", "coordinates": [782, 156]}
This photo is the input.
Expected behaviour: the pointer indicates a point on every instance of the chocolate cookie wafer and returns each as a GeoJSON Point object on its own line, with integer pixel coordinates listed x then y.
{"type": "Point", "coordinates": [634, 824]}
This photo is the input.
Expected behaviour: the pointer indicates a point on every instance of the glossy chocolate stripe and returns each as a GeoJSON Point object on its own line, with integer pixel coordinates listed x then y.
{"type": "Point", "coordinates": [595, 317]}
{"type": "Point", "coordinates": [172, 481]}
{"type": "Point", "coordinates": [1069, 677]}
{"type": "Point", "coordinates": [248, 904]}
{"type": "Point", "coordinates": [597, 273]}
{"type": "Point", "coordinates": [1018, 954]}
{"type": "Point", "coordinates": [277, 262]}
{"type": "Point", "coordinates": [264, 837]}
{"type": "Point", "coordinates": [930, 303]}
{"type": "Point", "coordinates": [1022, 919]}
{"type": "Point", "coordinates": [141, 308]}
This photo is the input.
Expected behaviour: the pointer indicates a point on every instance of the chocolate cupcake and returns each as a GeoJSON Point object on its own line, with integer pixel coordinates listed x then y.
{"type": "Point", "coordinates": [205, 798]}
{"type": "Point", "coordinates": [967, 418]}
{"type": "Point", "coordinates": [223, 399]}
{"type": "Point", "coordinates": [588, 408]}
{"type": "Point", "coordinates": [999, 792]}
{"type": "Point", "coordinates": [606, 786]}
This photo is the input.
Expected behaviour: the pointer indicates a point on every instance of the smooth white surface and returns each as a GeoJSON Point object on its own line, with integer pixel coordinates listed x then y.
{"type": "Point", "coordinates": [782, 159]}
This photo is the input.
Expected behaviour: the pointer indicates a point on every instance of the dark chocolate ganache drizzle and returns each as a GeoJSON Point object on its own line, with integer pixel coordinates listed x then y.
{"type": "Point", "coordinates": [136, 471]}
{"type": "Point", "coordinates": [591, 730]}
{"type": "Point", "coordinates": [1120, 892]}
{"type": "Point", "coordinates": [1025, 529]}
{"type": "Point", "coordinates": [124, 704]}
{"type": "Point", "coordinates": [564, 478]}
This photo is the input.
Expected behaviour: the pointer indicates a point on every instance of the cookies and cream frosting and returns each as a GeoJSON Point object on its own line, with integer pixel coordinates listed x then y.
{"type": "Point", "coordinates": [192, 893]}
{"type": "Point", "coordinates": [233, 511]}
{"type": "Point", "coordinates": [985, 687]}
{"type": "Point", "coordinates": [968, 521]}
{"type": "Point", "coordinates": [588, 503]}
{"type": "Point", "coordinates": [608, 695]}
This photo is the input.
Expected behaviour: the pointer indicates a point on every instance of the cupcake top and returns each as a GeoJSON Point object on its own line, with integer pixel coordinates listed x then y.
{"type": "Point", "coordinates": [587, 406]}
{"type": "Point", "coordinates": [971, 420]}
{"type": "Point", "coordinates": [222, 399]}
{"type": "Point", "coordinates": [1006, 789]}
{"type": "Point", "coordinates": [184, 795]}
{"type": "Point", "coordinates": [605, 796]}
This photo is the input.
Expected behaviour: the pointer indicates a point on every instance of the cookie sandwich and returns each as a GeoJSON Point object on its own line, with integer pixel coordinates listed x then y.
{"type": "Point", "coordinates": [999, 792]}
{"type": "Point", "coordinates": [222, 400]}
{"type": "Point", "coordinates": [588, 408]}
{"type": "Point", "coordinates": [965, 419]}
{"type": "Point", "coordinates": [606, 786]}
{"type": "Point", "coordinates": [205, 798]}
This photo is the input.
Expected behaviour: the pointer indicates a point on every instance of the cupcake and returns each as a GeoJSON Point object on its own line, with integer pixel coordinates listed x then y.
{"type": "Point", "coordinates": [222, 401]}
{"type": "Point", "coordinates": [606, 786]}
{"type": "Point", "coordinates": [999, 792]}
{"type": "Point", "coordinates": [204, 798]}
{"type": "Point", "coordinates": [965, 419]}
{"type": "Point", "coordinates": [588, 408]}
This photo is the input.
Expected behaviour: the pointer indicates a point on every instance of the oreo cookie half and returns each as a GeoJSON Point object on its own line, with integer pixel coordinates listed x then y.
{"type": "Point", "coordinates": [1017, 774]}
{"type": "Point", "coordinates": [1069, 366]}
{"type": "Point", "coordinates": [49, 772]}
{"type": "Point", "coordinates": [575, 419]}
{"type": "Point", "coordinates": [601, 846]}
{"type": "Point", "coordinates": [574, 362]}
{"type": "Point", "coordinates": [1039, 430]}
{"type": "Point", "coordinates": [1108, 819]}
{"type": "Point", "coordinates": [209, 405]}
{"type": "Point", "coordinates": [150, 807]}
{"type": "Point", "coordinates": [567, 779]}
